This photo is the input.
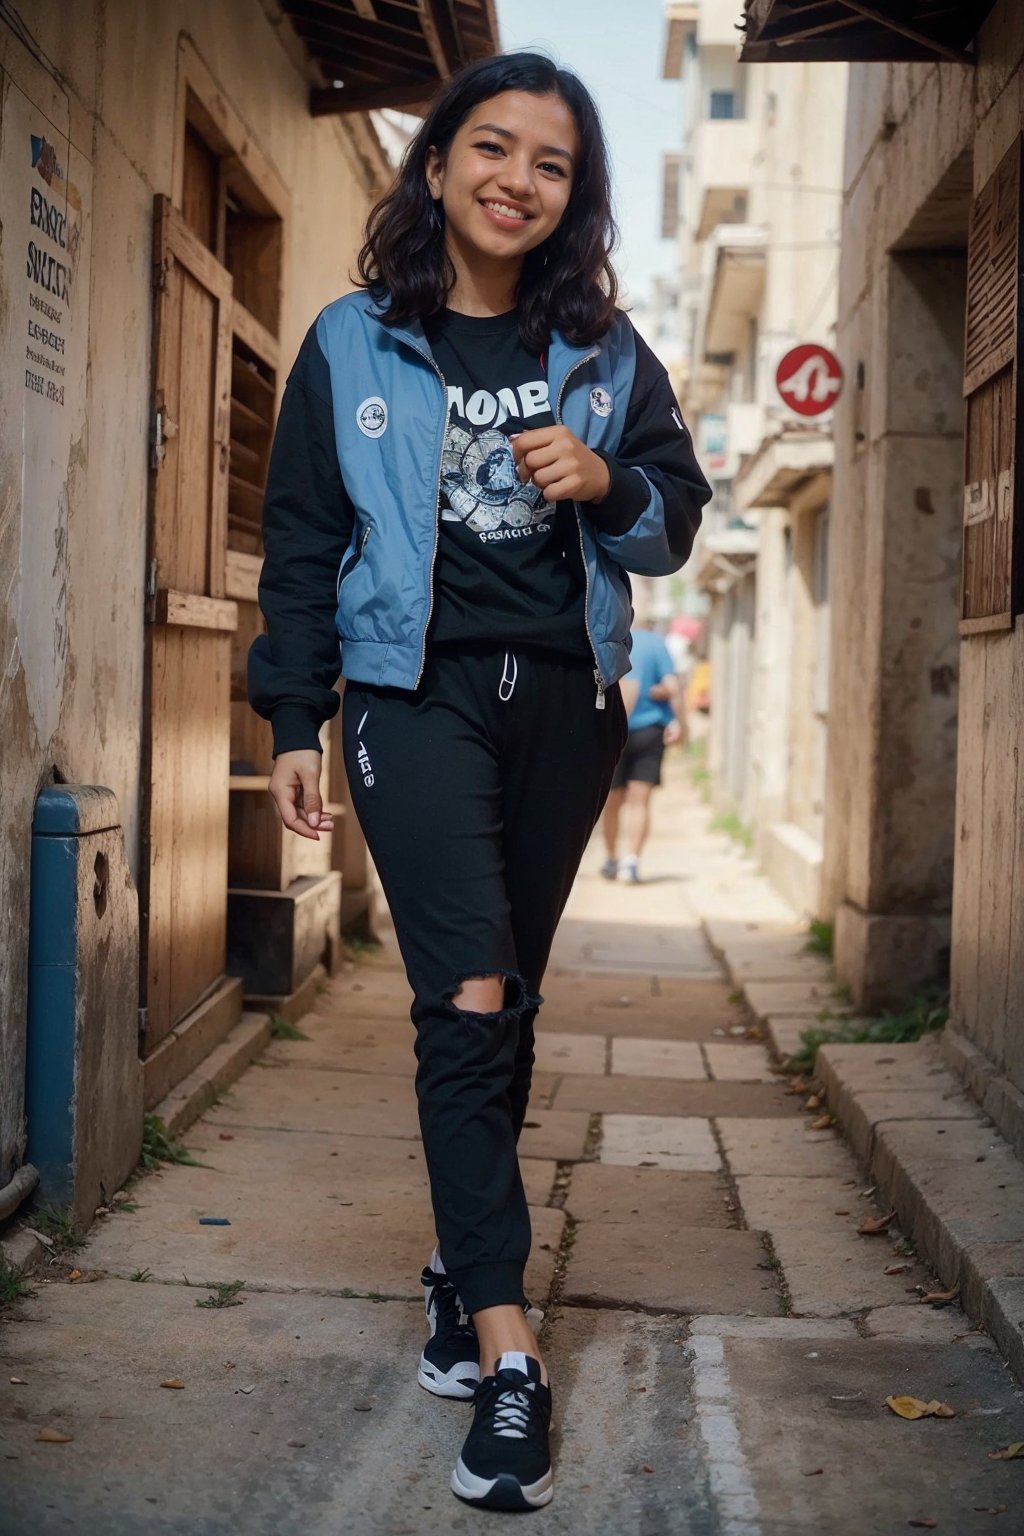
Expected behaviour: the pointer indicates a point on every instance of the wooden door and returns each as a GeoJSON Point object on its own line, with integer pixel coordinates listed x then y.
{"type": "Point", "coordinates": [190, 625]}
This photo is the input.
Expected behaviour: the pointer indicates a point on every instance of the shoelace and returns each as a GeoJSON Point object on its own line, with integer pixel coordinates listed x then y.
{"type": "Point", "coordinates": [511, 1413]}
{"type": "Point", "coordinates": [446, 1299]}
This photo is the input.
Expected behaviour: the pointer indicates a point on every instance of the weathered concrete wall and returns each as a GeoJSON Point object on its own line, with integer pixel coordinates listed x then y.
{"type": "Point", "coordinates": [897, 658]}
{"type": "Point", "coordinates": [121, 72]}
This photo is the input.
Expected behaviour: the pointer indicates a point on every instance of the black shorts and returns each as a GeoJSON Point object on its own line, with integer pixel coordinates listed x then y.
{"type": "Point", "coordinates": [640, 763]}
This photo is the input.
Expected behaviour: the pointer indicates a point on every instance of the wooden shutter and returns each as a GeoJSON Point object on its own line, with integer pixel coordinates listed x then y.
{"type": "Point", "coordinates": [190, 628]}
{"type": "Point", "coordinates": [991, 569]}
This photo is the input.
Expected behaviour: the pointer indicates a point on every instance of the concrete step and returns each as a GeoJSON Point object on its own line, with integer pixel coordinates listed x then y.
{"type": "Point", "coordinates": [224, 1065]}
{"type": "Point", "coordinates": [940, 1163]}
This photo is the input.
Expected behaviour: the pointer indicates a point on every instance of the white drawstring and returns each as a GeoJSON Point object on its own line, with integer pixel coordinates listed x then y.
{"type": "Point", "coordinates": [506, 681]}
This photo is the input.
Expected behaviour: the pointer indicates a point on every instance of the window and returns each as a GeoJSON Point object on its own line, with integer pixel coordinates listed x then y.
{"type": "Point", "coordinates": [723, 104]}
{"type": "Point", "coordinates": [225, 207]}
{"type": "Point", "coordinates": [992, 578]}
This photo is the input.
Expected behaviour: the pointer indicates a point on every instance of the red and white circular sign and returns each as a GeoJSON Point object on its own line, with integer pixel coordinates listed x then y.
{"type": "Point", "coordinates": [809, 378]}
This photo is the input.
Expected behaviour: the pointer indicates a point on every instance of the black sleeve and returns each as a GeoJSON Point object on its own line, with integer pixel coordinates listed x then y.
{"type": "Point", "coordinates": [654, 440]}
{"type": "Point", "coordinates": [307, 526]}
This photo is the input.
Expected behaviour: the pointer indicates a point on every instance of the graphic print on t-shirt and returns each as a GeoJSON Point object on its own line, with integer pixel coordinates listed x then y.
{"type": "Point", "coordinates": [478, 471]}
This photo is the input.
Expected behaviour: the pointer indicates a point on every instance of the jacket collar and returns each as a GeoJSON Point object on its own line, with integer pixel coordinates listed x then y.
{"type": "Point", "coordinates": [562, 357]}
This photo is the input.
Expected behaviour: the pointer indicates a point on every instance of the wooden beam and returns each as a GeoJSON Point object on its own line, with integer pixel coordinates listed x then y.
{"type": "Point", "coordinates": [871, 13]}
{"type": "Point", "coordinates": [330, 43]}
{"type": "Point", "coordinates": [791, 38]}
{"type": "Point", "coordinates": [364, 8]}
{"type": "Point", "coordinates": [442, 36]}
{"type": "Point", "coordinates": [402, 93]}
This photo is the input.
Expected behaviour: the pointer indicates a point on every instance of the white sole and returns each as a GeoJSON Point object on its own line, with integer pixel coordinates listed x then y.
{"type": "Point", "coordinates": [501, 1492]}
{"type": "Point", "coordinates": [448, 1384]}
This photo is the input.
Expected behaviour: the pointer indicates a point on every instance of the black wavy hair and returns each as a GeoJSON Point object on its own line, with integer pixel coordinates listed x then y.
{"type": "Point", "coordinates": [567, 283]}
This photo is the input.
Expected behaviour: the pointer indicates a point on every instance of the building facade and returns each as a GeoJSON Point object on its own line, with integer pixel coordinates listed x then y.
{"type": "Point", "coordinates": [758, 191]}
{"type": "Point", "coordinates": [180, 193]}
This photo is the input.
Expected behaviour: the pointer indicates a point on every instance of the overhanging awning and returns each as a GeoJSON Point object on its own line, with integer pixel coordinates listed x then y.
{"type": "Point", "coordinates": [388, 53]}
{"type": "Point", "coordinates": [727, 557]}
{"type": "Point", "coordinates": [861, 30]}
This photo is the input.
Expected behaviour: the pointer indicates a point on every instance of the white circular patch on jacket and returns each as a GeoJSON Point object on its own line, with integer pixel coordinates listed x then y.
{"type": "Point", "coordinates": [600, 401]}
{"type": "Point", "coordinates": [372, 417]}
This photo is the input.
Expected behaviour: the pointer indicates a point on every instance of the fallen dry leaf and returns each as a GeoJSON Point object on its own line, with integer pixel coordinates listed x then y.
{"type": "Point", "coordinates": [645, 1466]}
{"type": "Point", "coordinates": [917, 1408]}
{"type": "Point", "coordinates": [814, 1102]}
{"type": "Point", "coordinates": [54, 1437]}
{"type": "Point", "coordinates": [814, 1472]}
{"type": "Point", "coordinates": [924, 1524]}
{"type": "Point", "coordinates": [873, 1225]}
{"type": "Point", "coordinates": [76, 1274]}
{"type": "Point", "coordinates": [939, 1298]}
{"type": "Point", "coordinates": [798, 1085]}
{"type": "Point", "coordinates": [173, 1381]}
{"type": "Point", "coordinates": [85, 1276]}
{"type": "Point", "coordinates": [897, 1269]}
{"type": "Point", "coordinates": [18, 1381]}
{"type": "Point", "coordinates": [1008, 1452]}
{"type": "Point", "coordinates": [822, 1123]}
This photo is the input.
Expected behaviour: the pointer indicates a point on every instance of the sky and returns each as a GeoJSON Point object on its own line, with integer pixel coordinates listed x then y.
{"type": "Point", "coordinates": [616, 46]}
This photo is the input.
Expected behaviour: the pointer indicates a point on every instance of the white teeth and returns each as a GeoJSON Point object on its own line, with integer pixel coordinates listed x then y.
{"type": "Point", "coordinates": [503, 208]}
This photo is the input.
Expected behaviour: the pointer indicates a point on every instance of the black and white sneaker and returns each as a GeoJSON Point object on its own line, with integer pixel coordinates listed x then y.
{"type": "Point", "coordinates": [450, 1362]}
{"type": "Point", "coordinates": [506, 1462]}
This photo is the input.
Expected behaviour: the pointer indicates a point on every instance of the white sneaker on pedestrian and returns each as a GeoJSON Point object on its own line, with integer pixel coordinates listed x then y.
{"type": "Point", "coordinates": [609, 869]}
{"type": "Point", "coordinates": [629, 872]}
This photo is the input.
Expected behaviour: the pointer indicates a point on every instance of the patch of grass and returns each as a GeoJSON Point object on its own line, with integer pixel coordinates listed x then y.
{"type": "Point", "coordinates": [158, 1146]}
{"type": "Point", "coordinates": [923, 1013]}
{"type": "Point", "coordinates": [360, 944]}
{"type": "Point", "coordinates": [59, 1226]}
{"type": "Point", "coordinates": [697, 767]}
{"type": "Point", "coordinates": [14, 1284]}
{"type": "Point", "coordinates": [224, 1294]}
{"type": "Point", "coordinates": [821, 938]}
{"type": "Point", "coordinates": [283, 1029]}
{"type": "Point", "coordinates": [141, 1275]}
{"type": "Point", "coordinates": [729, 823]}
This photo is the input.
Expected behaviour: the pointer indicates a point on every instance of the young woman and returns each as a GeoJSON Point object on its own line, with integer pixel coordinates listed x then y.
{"type": "Point", "coordinates": [472, 451]}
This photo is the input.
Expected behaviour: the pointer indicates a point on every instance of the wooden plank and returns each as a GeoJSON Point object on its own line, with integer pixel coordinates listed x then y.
{"type": "Point", "coordinates": [184, 562]}
{"type": "Point", "coordinates": [209, 110]}
{"type": "Point", "coordinates": [912, 34]}
{"type": "Point", "coordinates": [192, 612]}
{"type": "Point", "coordinates": [192, 254]}
{"type": "Point", "coordinates": [242, 576]}
{"type": "Point", "coordinates": [256, 336]}
{"type": "Point", "coordinates": [993, 273]}
{"type": "Point", "coordinates": [220, 452]}
{"type": "Point", "coordinates": [986, 626]}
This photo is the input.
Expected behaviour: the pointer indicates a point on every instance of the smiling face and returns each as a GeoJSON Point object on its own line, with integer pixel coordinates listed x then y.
{"type": "Point", "coordinates": [505, 181]}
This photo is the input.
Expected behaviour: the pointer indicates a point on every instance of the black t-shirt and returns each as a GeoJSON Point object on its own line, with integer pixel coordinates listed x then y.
{"type": "Point", "coordinates": [509, 566]}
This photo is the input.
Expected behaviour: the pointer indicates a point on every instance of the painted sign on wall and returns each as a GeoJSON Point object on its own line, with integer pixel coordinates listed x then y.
{"type": "Point", "coordinates": [809, 378]}
{"type": "Point", "coordinates": [44, 277]}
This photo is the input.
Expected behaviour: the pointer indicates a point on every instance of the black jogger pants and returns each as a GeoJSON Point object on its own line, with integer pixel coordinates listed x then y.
{"type": "Point", "coordinates": [477, 795]}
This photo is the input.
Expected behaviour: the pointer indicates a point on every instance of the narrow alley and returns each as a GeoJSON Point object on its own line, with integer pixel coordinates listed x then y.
{"type": "Point", "coordinates": [722, 1340]}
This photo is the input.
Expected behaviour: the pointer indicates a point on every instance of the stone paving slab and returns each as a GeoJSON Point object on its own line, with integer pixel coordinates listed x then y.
{"type": "Point", "coordinates": [784, 1147]}
{"type": "Point", "coordinates": [863, 1117]}
{"type": "Point", "coordinates": [663, 1096]}
{"type": "Point", "coordinates": [664, 1265]}
{"type": "Point", "coordinates": [353, 1103]}
{"type": "Point", "coordinates": [363, 1221]}
{"type": "Point", "coordinates": [605, 1193]}
{"type": "Point", "coordinates": [829, 1269]}
{"type": "Point", "coordinates": [554, 1133]}
{"type": "Point", "coordinates": [785, 1035]}
{"type": "Point", "coordinates": [794, 999]}
{"type": "Point", "coordinates": [638, 1057]}
{"type": "Point", "coordinates": [338, 1042]}
{"type": "Point", "coordinates": [648, 1005]}
{"type": "Point", "coordinates": [653, 1141]}
{"type": "Point", "coordinates": [739, 1063]}
{"type": "Point", "coordinates": [557, 1053]}
{"type": "Point", "coordinates": [826, 1410]}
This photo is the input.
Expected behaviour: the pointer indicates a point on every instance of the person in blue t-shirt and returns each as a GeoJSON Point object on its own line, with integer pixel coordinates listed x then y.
{"type": "Point", "coordinates": [653, 726]}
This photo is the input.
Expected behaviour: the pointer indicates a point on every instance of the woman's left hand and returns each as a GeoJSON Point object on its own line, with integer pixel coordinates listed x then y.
{"type": "Point", "coordinates": [560, 465]}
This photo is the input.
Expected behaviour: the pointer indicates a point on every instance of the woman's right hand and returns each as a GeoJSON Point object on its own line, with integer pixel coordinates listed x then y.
{"type": "Point", "coordinates": [295, 789]}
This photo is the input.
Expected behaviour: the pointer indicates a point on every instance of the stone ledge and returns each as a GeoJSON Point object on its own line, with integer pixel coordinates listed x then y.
{"type": "Point", "coordinates": [224, 1065]}
{"type": "Point", "coordinates": [954, 1182]}
{"type": "Point", "coordinates": [995, 1094]}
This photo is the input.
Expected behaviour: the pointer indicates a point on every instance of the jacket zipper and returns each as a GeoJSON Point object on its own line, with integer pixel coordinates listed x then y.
{"type": "Point", "coordinates": [437, 502]}
{"type": "Point", "coordinates": [346, 570]}
{"type": "Point", "coordinates": [599, 702]}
